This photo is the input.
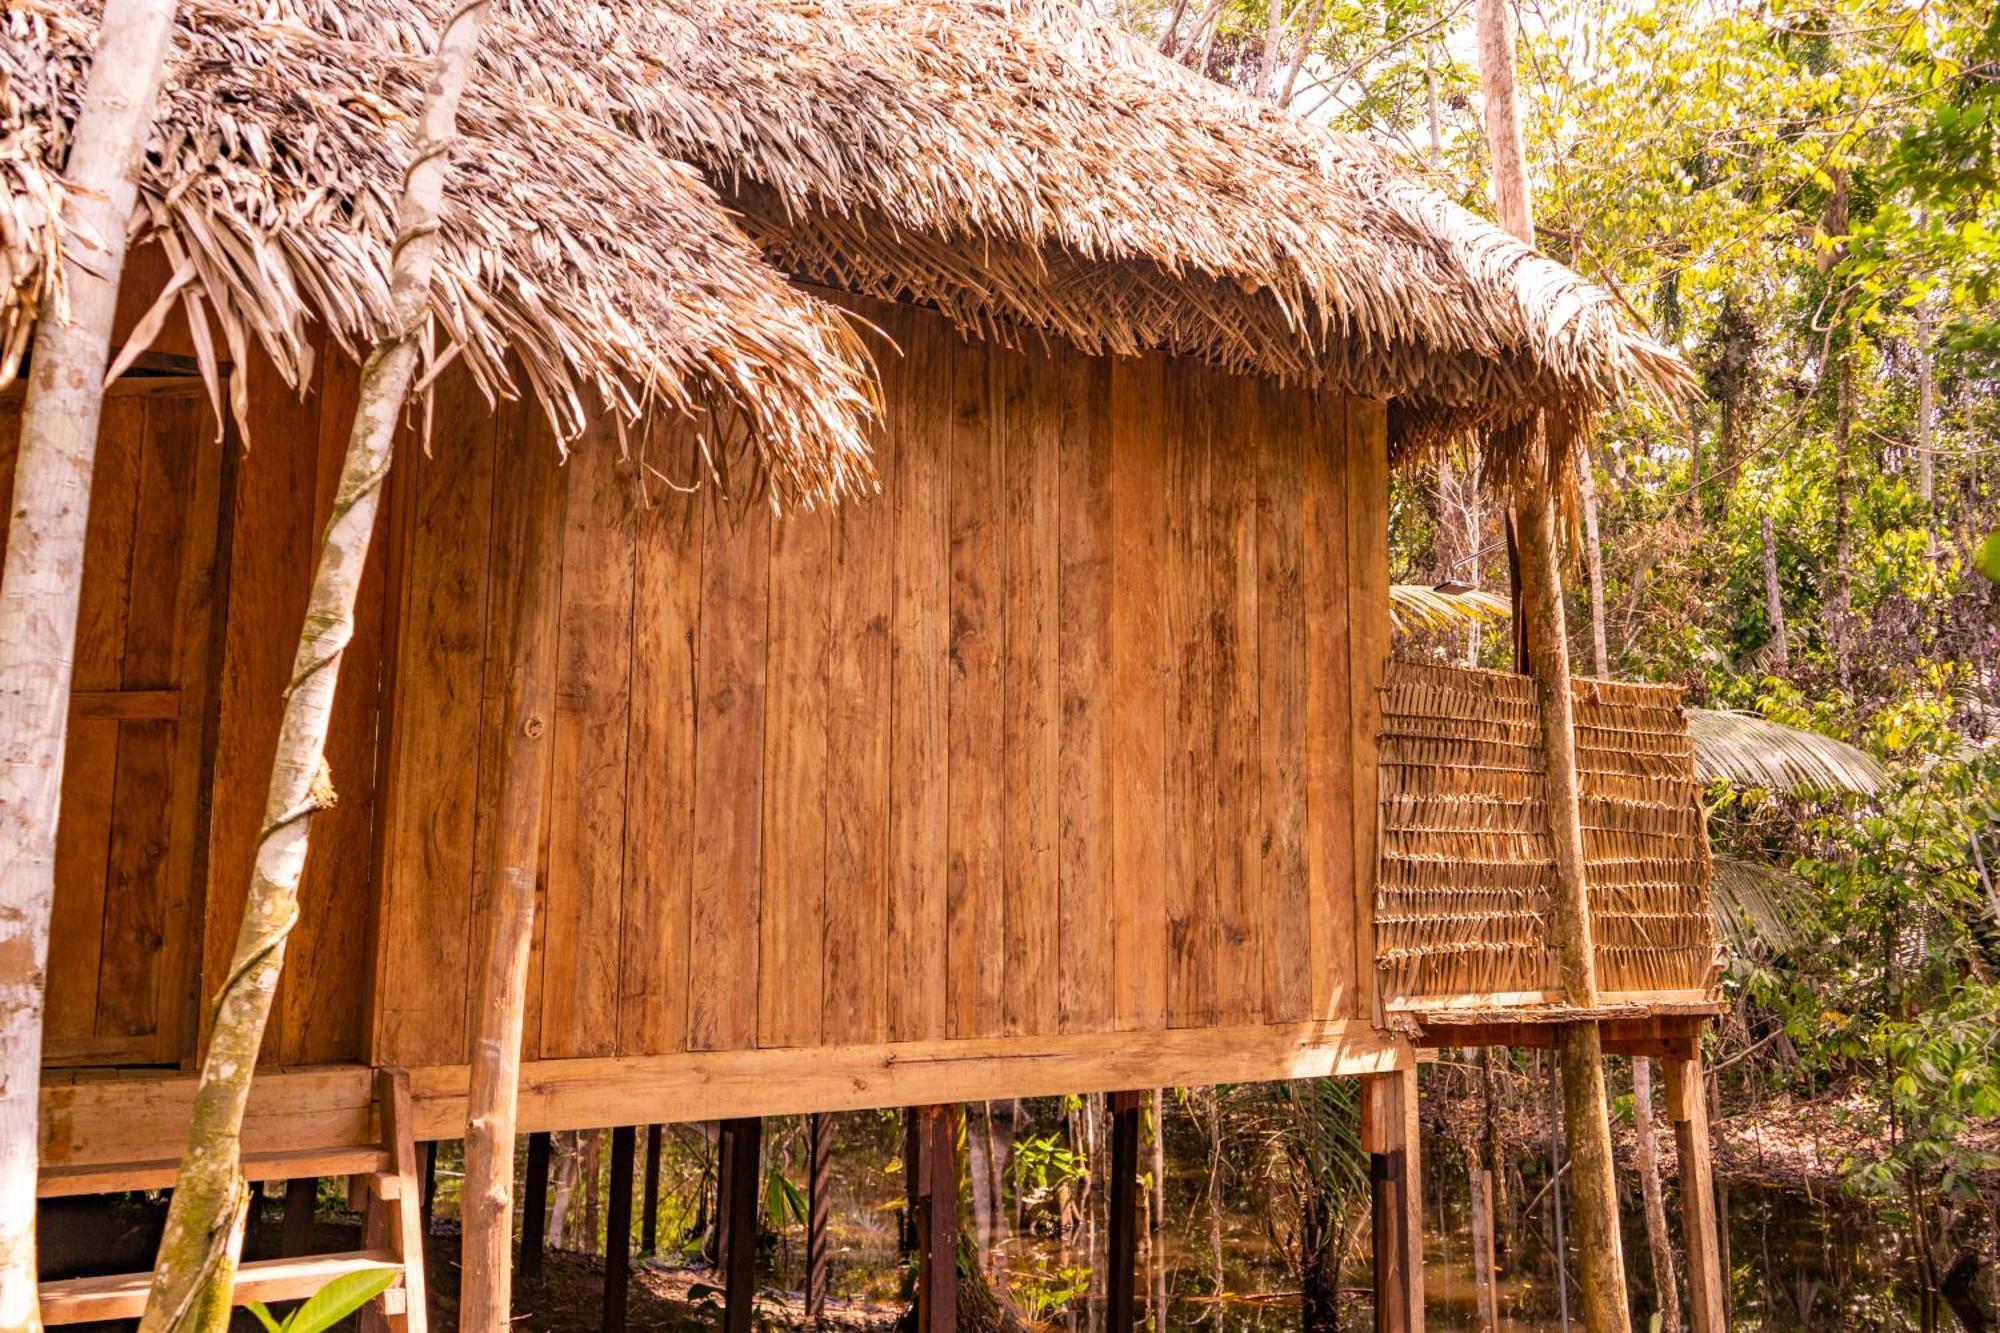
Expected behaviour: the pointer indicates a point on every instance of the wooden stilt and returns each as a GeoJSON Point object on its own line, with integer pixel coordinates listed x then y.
{"type": "Point", "coordinates": [742, 1142]}
{"type": "Point", "coordinates": [649, 1224]}
{"type": "Point", "coordinates": [913, 1131]}
{"type": "Point", "coordinates": [430, 1183]}
{"type": "Point", "coordinates": [1390, 1135]}
{"type": "Point", "coordinates": [301, 1202]}
{"type": "Point", "coordinates": [819, 1203]}
{"type": "Point", "coordinates": [535, 1208]}
{"type": "Point", "coordinates": [1687, 1106]}
{"type": "Point", "coordinates": [618, 1229]}
{"type": "Point", "coordinates": [1119, 1303]}
{"type": "Point", "coordinates": [1482, 1248]}
{"type": "Point", "coordinates": [937, 1219]}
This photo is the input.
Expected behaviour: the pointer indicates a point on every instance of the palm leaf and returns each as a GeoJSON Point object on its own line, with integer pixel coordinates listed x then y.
{"type": "Point", "coordinates": [1760, 904]}
{"type": "Point", "coordinates": [1414, 606]}
{"type": "Point", "coordinates": [1753, 751]}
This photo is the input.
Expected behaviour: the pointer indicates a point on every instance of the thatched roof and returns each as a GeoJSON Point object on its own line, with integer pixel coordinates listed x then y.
{"type": "Point", "coordinates": [607, 270]}
{"type": "Point", "coordinates": [1023, 166]}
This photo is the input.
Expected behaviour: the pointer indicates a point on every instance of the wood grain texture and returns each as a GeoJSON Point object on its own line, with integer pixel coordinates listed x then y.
{"type": "Point", "coordinates": [1026, 400]}
{"type": "Point", "coordinates": [660, 747]}
{"type": "Point", "coordinates": [1188, 616]}
{"type": "Point", "coordinates": [428, 944]}
{"type": "Point", "coordinates": [1368, 654]}
{"type": "Point", "coordinates": [917, 466]}
{"type": "Point", "coordinates": [975, 909]}
{"type": "Point", "coordinates": [792, 903]}
{"type": "Point", "coordinates": [729, 760]}
{"type": "Point", "coordinates": [1139, 683]}
{"type": "Point", "coordinates": [1337, 916]}
{"type": "Point", "coordinates": [584, 902]}
{"type": "Point", "coordinates": [1237, 819]}
{"type": "Point", "coordinates": [1284, 926]}
{"type": "Point", "coordinates": [1084, 538]}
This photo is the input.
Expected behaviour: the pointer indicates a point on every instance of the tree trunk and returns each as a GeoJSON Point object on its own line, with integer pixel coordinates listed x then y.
{"type": "Point", "coordinates": [1593, 561]}
{"type": "Point", "coordinates": [513, 859]}
{"type": "Point", "coordinates": [1774, 600]}
{"type": "Point", "coordinates": [1585, 1115]}
{"type": "Point", "coordinates": [42, 584]}
{"type": "Point", "coordinates": [195, 1271]}
{"type": "Point", "coordinates": [1267, 68]}
{"type": "Point", "coordinates": [1841, 608]}
{"type": "Point", "coordinates": [979, 1148]}
{"type": "Point", "coordinates": [1927, 426]}
{"type": "Point", "coordinates": [1665, 1285]}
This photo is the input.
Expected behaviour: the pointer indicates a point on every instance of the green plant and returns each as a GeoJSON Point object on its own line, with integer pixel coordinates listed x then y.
{"type": "Point", "coordinates": [331, 1303]}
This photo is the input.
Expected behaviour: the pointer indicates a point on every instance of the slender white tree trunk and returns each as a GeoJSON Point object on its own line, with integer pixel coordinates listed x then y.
{"type": "Point", "coordinates": [195, 1272]}
{"type": "Point", "coordinates": [42, 583]}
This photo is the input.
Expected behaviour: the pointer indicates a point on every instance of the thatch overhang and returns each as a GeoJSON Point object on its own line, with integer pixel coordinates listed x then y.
{"type": "Point", "coordinates": [1028, 168]}
{"type": "Point", "coordinates": [575, 255]}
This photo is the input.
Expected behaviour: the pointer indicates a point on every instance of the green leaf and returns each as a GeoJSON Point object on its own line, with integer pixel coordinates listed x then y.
{"type": "Point", "coordinates": [1986, 559]}
{"type": "Point", "coordinates": [263, 1316]}
{"type": "Point", "coordinates": [339, 1299]}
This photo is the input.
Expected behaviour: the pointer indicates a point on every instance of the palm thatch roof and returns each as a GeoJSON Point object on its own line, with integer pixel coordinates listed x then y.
{"type": "Point", "coordinates": [1024, 167]}
{"type": "Point", "coordinates": [607, 271]}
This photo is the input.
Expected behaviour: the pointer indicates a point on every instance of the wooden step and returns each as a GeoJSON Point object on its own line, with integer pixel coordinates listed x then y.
{"type": "Point", "coordinates": [117, 1177]}
{"type": "Point", "coordinates": [123, 1295]}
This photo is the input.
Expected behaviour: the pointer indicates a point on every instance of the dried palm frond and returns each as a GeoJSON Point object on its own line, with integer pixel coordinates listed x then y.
{"type": "Point", "coordinates": [1420, 606]}
{"type": "Point", "coordinates": [607, 271]}
{"type": "Point", "coordinates": [1760, 906]}
{"type": "Point", "coordinates": [1753, 751]}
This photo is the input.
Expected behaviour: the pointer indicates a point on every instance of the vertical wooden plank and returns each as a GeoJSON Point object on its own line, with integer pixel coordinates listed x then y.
{"type": "Point", "coordinates": [1137, 441]}
{"type": "Point", "coordinates": [319, 1014]}
{"type": "Point", "coordinates": [1368, 653]}
{"type": "Point", "coordinates": [729, 762]}
{"type": "Point", "coordinates": [659, 776]}
{"type": "Point", "coordinates": [1333, 908]}
{"type": "Point", "coordinates": [1026, 398]}
{"type": "Point", "coordinates": [90, 766]}
{"type": "Point", "coordinates": [792, 924]}
{"type": "Point", "coordinates": [1285, 927]}
{"type": "Point", "coordinates": [1687, 1106]}
{"type": "Point", "coordinates": [270, 553]}
{"type": "Point", "coordinates": [618, 1230]}
{"type": "Point", "coordinates": [1189, 610]}
{"type": "Point", "coordinates": [136, 890]}
{"type": "Point", "coordinates": [857, 776]}
{"type": "Point", "coordinates": [526, 470]}
{"type": "Point", "coordinates": [1238, 820]}
{"type": "Point", "coordinates": [580, 948]}
{"type": "Point", "coordinates": [427, 946]}
{"type": "Point", "coordinates": [198, 607]}
{"type": "Point", "coordinates": [1086, 533]}
{"type": "Point", "coordinates": [974, 909]}
{"type": "Point", "coordinates": [917, 467]}
{"type": "Point", "coordinates": [1122, 1226]}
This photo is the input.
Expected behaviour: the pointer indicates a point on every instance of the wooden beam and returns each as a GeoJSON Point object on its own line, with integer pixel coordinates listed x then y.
{"type": "Point", "coordinates": [1661, 1036]}
{"type": "Point", "coordinates": [1390, 1135]}
{"type": "Point", "coordinates": [819, 1205]}
{"type": "Point", "coordinates": [742, 1142]}
{"type": "Point", "coordinates": [618, 1229]}
{"type": "Point", "coordinates": [1687, 1107]}
{"type": "Point", "coordinates": [1120, 1298]}
{"type": "Point", "coordinates": [123, 1295]}
{"type": "Point", "coordinates": [937, 1219]}
{"type": "Point", "coordinates": [301, 1205]}
{"type": "Point", "coordinates": [535, 1208]}
{"type": "Point", "coordinates": [710, 1085]}
{"type": "Point", "coordinates": [649, 1224]}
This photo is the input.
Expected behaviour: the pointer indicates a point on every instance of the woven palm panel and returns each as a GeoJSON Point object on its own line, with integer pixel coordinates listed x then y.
{"type": "Point", "coordinates": [1463, 895]}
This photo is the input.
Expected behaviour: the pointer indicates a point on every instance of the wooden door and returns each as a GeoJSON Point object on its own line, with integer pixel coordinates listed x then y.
{"type": "Point", "coordinates": [123, 935]}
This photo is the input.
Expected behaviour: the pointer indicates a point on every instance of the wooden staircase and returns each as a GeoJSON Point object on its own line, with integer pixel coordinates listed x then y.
{"type": "Point", "coordinates": [383, 1182]}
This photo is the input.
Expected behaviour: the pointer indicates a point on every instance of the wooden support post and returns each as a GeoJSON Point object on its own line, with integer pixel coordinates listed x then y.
{"type": "Point", "coordinates": [1119, 1305]}
{"type": "Point", "coordinates": [394, 1216]}
{"type": "Point", "coordinates": [618, 1229]}
{"type": "Point", "coordinates": [937, 1219]}
{"type": "Point", "coordinates": [819, 1203]}
{"type": "Point", "coordinates": [1483, 1275]}
{"type": "Point", "coordinates": [1390, 1135]}
{"type": "Point", "coordinates": [301, 1203]}
{"type": "Point", "coordinates": [1687, 1106]}
{"type": "Point", "coordinates": [742, 1142]}
{"type": "Point", "coordinates": [913, 1158]}
{"type": "Point", "coordinates": [649, 1225]}
{"type": "Point", "coordinates": [535, 1208]}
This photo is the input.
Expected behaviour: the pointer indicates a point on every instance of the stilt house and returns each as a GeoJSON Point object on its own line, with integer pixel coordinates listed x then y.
{"type": "Point", "coordinates": [969, 440]}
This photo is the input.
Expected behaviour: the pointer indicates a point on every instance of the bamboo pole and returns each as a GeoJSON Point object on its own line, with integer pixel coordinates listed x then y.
{"type": "Point", "coordinates": [41, 587]}
{"type": "Point", "coordinates": [194, 1275]}
{"type": "Point", "coordinates": [1579, 1047]}
{"type": "Point", "coordinates": [486, 1278]}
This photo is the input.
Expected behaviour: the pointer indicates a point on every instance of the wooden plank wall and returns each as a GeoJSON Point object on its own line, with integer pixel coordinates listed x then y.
{"type": "Point", "coordinates": [1054, 736]}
